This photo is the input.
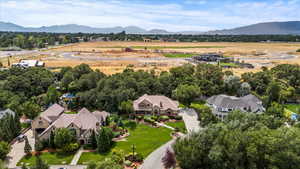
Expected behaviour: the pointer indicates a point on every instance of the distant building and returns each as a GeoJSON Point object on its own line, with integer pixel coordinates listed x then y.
{"type": "Point", "coordinates": [155, 104]}
{"type": "Point", "coordinates": [147, 40]}
{"type": "Point", "coordinates": [29, 63]}
{"type": "Point", "coordinates": [209, 57]}
{"type": "Point", "coordinates": [221, 105]}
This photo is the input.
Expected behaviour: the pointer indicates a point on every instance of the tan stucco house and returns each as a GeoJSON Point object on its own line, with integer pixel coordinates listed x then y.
{"type": "Point", "coordinates": [83, 123]}
{"type": "Point", "coordinates": [156, 104]}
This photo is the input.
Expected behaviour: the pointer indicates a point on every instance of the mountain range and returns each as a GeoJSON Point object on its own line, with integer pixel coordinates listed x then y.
{"type": "Point", "coordinates": [290, 27]}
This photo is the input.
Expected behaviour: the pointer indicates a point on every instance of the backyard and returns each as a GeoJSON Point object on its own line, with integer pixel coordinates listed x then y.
{"type": "Point", "coordinates": [145, 139]}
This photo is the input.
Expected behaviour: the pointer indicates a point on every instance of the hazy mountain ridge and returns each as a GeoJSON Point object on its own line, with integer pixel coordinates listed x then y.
{"type": "Point", "coordinates": [291, 27]}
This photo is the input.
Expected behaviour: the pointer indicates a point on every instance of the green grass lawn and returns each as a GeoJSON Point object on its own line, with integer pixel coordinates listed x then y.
{"type": "Point", "coordinates": [71, 112]}
{"type": "Point", "coordinates": [179, 124]}
{"type": "Point", "coordinates": [229, 64]}
{"type": "Point", "coordinates": [179, 55]}
{"type": "Point", "coordinates": [145, 138]}
{"type": "Point", "coordinates": [49, 158]}
{"type": "Point", "coordinates": [197, 105]}
{"type": "Point", "coordinates": [293, 107]}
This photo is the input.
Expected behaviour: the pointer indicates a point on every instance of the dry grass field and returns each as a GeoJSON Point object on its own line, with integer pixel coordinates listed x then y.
{"type": "Point", "coordinates": [111, 57]}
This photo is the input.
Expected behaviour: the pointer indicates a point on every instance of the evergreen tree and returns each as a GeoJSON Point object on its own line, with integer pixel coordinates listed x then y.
{"type": "Point", "coordinates": [104, 140]}
{"type": "Point", "coordinates": [27, 147]}
{"type": "Point", "coordinates": [40, 164]}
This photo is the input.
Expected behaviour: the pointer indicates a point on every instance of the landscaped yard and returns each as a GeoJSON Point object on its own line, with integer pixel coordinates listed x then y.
{"type": "Point", "coordinates": [49, 158]}
{"type": "Point", "coordinates": [179, 124]}
{"type": "Point", "coordinates": [145, 138]}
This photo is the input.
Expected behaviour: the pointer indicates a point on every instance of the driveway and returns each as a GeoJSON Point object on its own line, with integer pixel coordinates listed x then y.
{"type": "Point", "coordinates": [190, 119]}
{"type": "Point", "coordinates": [17, 150]}
{"type": "Point", "coordinates": [154, 160]}
{"type": "Point", "coordinates": [68, 166]}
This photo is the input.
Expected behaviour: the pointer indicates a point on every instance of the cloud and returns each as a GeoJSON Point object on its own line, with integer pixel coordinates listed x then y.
{"type": "Point", "coordinates": [170, 15]}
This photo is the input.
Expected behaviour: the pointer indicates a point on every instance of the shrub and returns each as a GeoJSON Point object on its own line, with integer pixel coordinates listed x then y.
{"type": "Point", "coordinates": [154, 118]}
{"type": "Point", "coordinates": [128, 163]}
{"type": "Point", "coordinates": [88, 147]}
{"type": "Point", "coordinates": [139, 117]}
{"type": "Point", "coordinates": [116, 134]}
{"type": "Point", "coordinates": [71, 147]}
{"type": "Point", "coordinates": [164, 118]}
{"type": "Point", "coordinates": [298, 50]}
{"type": "Point", "coordinates": [4, 149]}
{"type": "Point", "coordinates": [134, 158]}
{"type": "Point", "coordinates": [148, 119]}
{"type": "Point", "coordinates": [104, 140]}
{"type": "Point", "coordinates": [177, 117]}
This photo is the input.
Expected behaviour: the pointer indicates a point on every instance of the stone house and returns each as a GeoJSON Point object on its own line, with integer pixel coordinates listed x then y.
{"type": "Point", "coordinates": [83, 123]}
{"type": "Point", "coordinates": [156, 104]}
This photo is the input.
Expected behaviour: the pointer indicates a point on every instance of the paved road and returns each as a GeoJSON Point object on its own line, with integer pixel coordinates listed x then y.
{"type": "Point", "coordinates": [153, 161]}
{"type": "Point", "coordinates": [17, 151]}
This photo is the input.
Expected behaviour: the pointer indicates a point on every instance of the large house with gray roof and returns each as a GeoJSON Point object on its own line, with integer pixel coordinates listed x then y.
{"type": "Point", "coordinates": [221, 105]}
{"type": "Point", "coordinates": [156, 104]}
{"type": "Point", "coordinates": [84, 123]}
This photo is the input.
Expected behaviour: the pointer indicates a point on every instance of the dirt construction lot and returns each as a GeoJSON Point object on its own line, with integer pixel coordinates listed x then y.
{"type": "Point", "coordinates": [113, 57]}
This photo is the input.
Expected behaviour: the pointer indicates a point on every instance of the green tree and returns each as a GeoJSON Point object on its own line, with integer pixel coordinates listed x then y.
{"type": "Point", "coordinates": [30, 109]}
{"type": "Point", "coordinates": [276, 110]}
{"type": "Point", "coordinates": [273, 92]}
{"type": "Point", "coordinates": [104, 140]}
{"type": "Point", "coordinates": [205, 115]}
{"type": "Point", "coordinates": [4, 150]}
{"type": "Point", "coordinates": [10, 127]}
{"type": "Point", "coordinates": [63, 137]}
{"type": "Point", "coordinates": [40, 164]}
{"type": "Point", "coordinates": [186, 93]}
{"type": "Point", "coordinates": [27, 147]}
{"type": "Point", "coordinates": [52, 95]}
{"type": "Point", "coordinates": [126, 107]}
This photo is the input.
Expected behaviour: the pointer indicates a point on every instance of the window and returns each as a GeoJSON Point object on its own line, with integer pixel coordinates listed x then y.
{"type": "Point", "coordinates": [40, 122]}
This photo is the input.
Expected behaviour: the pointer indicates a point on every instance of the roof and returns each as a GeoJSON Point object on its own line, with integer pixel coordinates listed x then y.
{"type": "Point", "coordinates": [6, 112]}
{"type": "Point", "coordinates": [101, 115]}
{"type": "Point", "coordinates": [235, 103]}
{"type": "Point", "coordinates": [163, 102]}
{"type": "Point", "coordinates": [84, 120]}
{"type": "Point", "coordinates": [52, 113]}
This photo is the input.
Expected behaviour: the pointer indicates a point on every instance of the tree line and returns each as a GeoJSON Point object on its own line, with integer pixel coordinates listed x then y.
{"type": "Point", "coordinates": [30, 40]}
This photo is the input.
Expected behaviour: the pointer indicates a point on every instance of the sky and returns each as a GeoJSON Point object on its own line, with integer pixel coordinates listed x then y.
{"type": "Point", "coordinates": [171, 15]}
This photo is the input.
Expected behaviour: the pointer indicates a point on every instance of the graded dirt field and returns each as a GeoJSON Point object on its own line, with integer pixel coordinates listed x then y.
{"type": "Point", "coordinates": [114, 57]}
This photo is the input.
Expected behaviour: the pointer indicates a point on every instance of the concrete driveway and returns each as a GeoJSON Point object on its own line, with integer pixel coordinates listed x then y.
{"type": "Point", "coordinates": [190, 119]}
{"type": "Point", "coordinates": [17, 150]}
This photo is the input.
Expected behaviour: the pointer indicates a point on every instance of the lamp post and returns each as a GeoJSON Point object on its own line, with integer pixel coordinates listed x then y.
{"type": "Point", "coordinates": [133, 149]}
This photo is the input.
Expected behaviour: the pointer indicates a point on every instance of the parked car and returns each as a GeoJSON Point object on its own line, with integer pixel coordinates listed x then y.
{"type": "Point", "coordinates": [21, 137]}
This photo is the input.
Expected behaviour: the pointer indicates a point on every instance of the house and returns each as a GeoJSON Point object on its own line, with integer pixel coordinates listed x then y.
{"type": "Point", "coordinates": [29, 63]}
{"type": "Point", "coordinates": [222, 104]}
{"type": "Point", "coordinates": [209, 57]}
{"type": "Point", "coordinates": [155, 104]}
{"type": "Point", "coordinates": [84, 123]}
{"type": "Point", "coordinates": [6, 112]}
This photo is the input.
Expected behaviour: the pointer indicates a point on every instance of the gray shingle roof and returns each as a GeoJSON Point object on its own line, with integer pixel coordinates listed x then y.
{"type": "Point", "coordinates": [163, 102]}
{"type": "Point", "coordinates": [249, 102]}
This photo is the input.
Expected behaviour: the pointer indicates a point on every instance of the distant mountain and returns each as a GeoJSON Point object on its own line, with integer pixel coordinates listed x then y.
{"type": "Point", "coordinates": [73, 28]}
{"type": "Point", "coordinates": [291, 27]}
{"type": "Point", "coordinates": [280, 28]}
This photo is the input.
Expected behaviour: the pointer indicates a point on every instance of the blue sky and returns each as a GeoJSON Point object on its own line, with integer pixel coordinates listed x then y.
{"type": "Point", "coordinates": [172, 15]}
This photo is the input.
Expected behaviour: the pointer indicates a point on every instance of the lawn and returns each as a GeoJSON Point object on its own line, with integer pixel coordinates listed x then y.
{"type": "Point", "coordinates": [179, 124]}
{"type": "Point", "coordinates": [179, 55]}
{"type": "Point", "coordinates": [145, 138]}
{"type": "Point", "coordinates": [293, 107]}
{"type": "Point", "coordinates": [197, 105]}
{"type": "Point", "coordinates": [49, 158]}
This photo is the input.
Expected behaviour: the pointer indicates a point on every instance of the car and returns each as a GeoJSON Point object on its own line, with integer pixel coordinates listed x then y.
{"type": "Point", "coordinates": [21, 137]}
